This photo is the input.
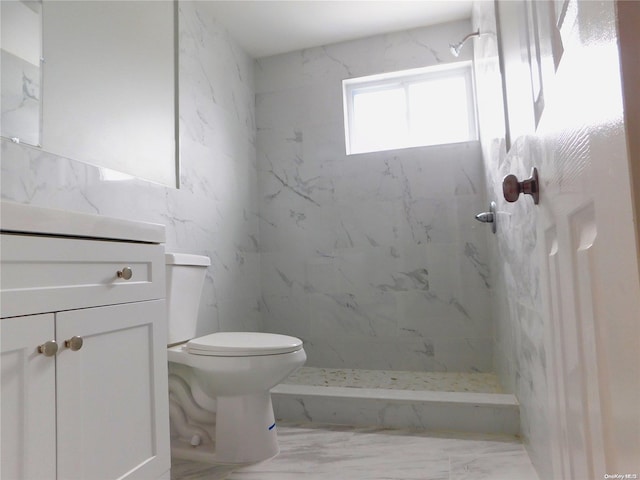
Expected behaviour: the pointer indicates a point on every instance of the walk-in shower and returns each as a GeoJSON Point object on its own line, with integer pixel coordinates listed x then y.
{"type": "Point", "coordinates": [375, 260]}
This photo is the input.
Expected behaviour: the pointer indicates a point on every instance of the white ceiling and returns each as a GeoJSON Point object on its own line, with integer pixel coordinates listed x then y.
{"type": "Point", "coordinates": [270, 27]}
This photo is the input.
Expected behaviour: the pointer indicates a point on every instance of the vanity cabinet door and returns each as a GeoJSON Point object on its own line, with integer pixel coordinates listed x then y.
{"type": "Point", "coordinates": [27, 398]}
{"type": "Point", "coordinates": [112, 392]}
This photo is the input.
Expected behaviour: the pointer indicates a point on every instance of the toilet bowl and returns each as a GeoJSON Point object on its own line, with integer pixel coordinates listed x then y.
{"type": "Point", "coordinates": [220, 401]}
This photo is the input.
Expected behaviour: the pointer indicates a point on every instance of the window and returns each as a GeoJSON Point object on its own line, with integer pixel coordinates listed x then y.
{"type": "Point", "coordinates": [412, 108]}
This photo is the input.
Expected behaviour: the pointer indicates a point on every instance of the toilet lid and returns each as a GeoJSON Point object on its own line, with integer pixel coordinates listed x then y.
{"type": "Point", "coordinates": [243, 344]}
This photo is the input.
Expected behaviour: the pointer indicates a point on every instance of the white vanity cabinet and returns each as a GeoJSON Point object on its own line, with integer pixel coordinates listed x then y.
{"type": "Point", "coordinates": [97, 406]}
{"type": "Point", "coordinates": [28, 399]}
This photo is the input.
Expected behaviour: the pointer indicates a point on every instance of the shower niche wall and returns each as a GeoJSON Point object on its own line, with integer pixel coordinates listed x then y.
{"type": "Point", "coordinates": [374, 260]}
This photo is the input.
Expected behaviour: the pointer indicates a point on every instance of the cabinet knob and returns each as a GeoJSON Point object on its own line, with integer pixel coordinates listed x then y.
{"type": "Point", "coordinates": [126, 273]}
{"type": "Point", "coordinates": [48, 349]}
{"type": "Point", "coordinates": [74, 343]}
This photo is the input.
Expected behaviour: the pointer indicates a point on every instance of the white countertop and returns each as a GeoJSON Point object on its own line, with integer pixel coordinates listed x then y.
{"type": "Point", "coordinates": [20, 218]}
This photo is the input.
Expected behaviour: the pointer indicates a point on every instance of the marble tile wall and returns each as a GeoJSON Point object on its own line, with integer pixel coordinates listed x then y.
{"type": "Point", "coordinates": [519, 348]}
{"type": "Point", "coordinates": [375, 260]}
{"type": "Point", "coordinates": [431, 411]}
{"type": "Point", "coordinates": [214, 211]}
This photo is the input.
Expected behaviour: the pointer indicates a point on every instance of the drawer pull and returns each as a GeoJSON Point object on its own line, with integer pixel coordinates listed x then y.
{"type": "Point", "coordinates": [48, 349]}
{"type": "Point", "coordinates": [126, 273]}
{"type": "Point", "coordinates": [74, 343]}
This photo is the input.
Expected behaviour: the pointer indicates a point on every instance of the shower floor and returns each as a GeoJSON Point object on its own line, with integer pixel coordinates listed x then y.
{"type": "Point", "coordinates": [466, 402]}
{"type": "Point", "coordinates": [396, 380]}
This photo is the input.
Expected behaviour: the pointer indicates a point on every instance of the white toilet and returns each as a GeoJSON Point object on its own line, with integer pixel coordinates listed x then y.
{"type": "Point", "coordinates": [220, 404]}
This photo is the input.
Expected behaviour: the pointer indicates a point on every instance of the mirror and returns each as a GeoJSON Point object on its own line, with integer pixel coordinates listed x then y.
{"type": "Point", "coordinates": [530, 48]}
{"type": "Point", "coordinates": [21, 50]}
{"type": "Point", "coordinates": [109, 85]}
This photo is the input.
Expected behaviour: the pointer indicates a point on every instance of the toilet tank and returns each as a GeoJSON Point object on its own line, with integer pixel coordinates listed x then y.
{"type": "Point", "coordinates": [185, 278]}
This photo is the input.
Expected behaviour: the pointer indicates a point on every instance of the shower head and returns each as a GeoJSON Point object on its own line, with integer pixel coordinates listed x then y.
{"type": "Point", "coordinates": [455, 48]}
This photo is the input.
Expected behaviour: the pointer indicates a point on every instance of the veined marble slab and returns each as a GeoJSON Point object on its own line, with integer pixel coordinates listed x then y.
{"type": "Point", "coordinates": [478, 399]}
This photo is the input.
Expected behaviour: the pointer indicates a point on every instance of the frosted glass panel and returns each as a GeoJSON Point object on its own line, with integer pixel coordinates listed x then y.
{"type": "Point", "coordinates": [380, 119]}
{"type": "Point", "coordinates": [439, 111]}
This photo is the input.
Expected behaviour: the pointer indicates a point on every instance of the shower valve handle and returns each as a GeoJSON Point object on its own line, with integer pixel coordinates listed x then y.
{"type": "Point", "coordinates": [512, 188]}
{"type": "Point", "coordinates": [489, 217]}
{"type": "Point", "coordinates": [485, 217]}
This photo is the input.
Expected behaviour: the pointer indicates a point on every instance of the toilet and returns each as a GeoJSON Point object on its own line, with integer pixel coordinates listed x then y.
{"type": "Point", "coordinates": [219, 384]}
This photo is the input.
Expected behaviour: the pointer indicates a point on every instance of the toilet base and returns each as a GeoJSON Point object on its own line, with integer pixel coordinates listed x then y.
{"type": "Point", "coordinates": [183, 450]}
{"type": "Point", "coordinates": [245, 429]}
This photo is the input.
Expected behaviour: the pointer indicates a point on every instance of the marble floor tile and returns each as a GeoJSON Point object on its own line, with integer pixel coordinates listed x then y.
{"type": "Point", "coordinates": [498, 466]}
{"type": "Point", "coordinates": [325, 452]}
{"type": "Point", "coordinates": [189, 470]}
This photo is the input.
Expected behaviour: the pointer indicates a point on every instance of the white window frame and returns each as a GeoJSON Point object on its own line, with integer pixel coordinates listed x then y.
{"type": "Point", "coordinates": [404, 79]}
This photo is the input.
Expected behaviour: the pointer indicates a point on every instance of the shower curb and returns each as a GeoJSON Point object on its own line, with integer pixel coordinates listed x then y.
{"type": "Point", "coordinates": [429, 410]}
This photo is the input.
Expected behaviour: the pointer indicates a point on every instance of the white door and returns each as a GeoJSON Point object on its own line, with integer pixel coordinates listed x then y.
{"type": "Point", "coordinates": [28, 398]}
{"type": "Point", "coordinates": [590, 266]}
{"type": "Point", "coordinates": [112, 393]}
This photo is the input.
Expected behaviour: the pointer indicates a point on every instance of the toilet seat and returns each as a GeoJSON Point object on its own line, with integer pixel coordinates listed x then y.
{"type": "Point", "coordinates": [243, 344]}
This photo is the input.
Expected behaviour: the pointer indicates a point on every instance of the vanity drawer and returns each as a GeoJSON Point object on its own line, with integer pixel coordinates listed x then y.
{"type": "Point", "coordinates": [45, 274]}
